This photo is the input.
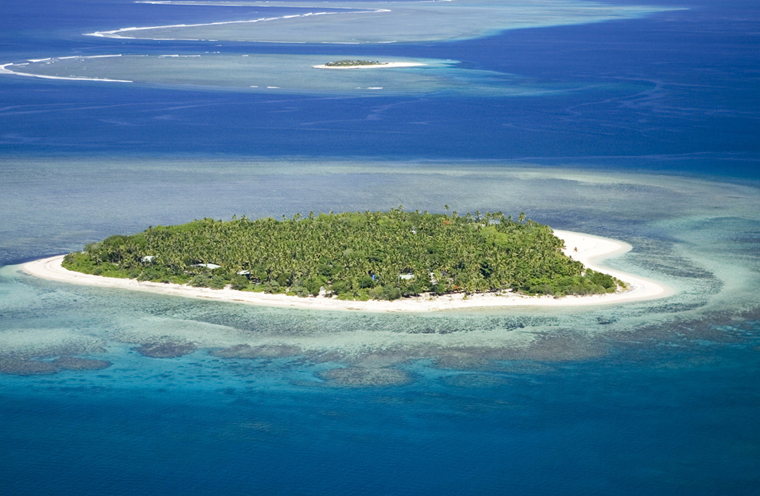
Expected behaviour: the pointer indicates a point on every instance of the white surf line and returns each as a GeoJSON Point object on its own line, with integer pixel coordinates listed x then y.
{"type": "Point", "coordinates": [117, 33]}
{"type": "Point", "coordinates": [278, 4]}
{"type": "Point", "coordinates": [84, 57]}
{"type": "Point", "coordinates": [4, 70]}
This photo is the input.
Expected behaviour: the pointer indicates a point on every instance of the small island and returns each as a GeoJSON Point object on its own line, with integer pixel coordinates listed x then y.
{"type": "Point", "coordinates": [353, 63]}
{"type": "Point", "coordinates": [365, 64]}
{"type": "Point", "coordinates": [356, 256]}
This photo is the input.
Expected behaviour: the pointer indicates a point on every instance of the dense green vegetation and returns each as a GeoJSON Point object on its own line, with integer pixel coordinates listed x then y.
{"type": "Point", "coordinates": [351, 63]}
{"type": "Point", "coordinates": [370, 255]}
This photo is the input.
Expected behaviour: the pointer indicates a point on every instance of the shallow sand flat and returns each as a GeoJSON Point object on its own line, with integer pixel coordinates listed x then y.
{"type": "Point", "coordinates": [585, 248]}
{"type": "Point", "coordinates": [340, 22]}
{"type": "Point", "coordinates": [294, 73]}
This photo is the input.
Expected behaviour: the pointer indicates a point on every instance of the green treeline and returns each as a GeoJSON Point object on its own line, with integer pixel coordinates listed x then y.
{"type": "Point", "coordinates": [351, 63]}
{"type": "Point", "coordinates": [369, 255]}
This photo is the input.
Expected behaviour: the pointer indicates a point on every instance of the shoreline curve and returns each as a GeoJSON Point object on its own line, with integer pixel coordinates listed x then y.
{"type": "Point", "coordinates": [585, 248]}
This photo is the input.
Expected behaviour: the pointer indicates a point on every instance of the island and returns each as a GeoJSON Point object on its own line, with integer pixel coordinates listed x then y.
{"type": "Point", "coordinates": [365, 64]}
{"type": "Point", "coordinates": [353, 63]}
{"type": "Point", "coordinates": [351, 256]}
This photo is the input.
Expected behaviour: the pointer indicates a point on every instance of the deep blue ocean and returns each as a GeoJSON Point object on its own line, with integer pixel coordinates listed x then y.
{"type": "Point", "coordinates": [677, 90]}
{"type": "Point", "coordinates": [655, 141]}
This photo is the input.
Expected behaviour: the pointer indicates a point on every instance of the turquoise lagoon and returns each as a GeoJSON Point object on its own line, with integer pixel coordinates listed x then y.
{"type": "Point", "coordinates": [487, 394]}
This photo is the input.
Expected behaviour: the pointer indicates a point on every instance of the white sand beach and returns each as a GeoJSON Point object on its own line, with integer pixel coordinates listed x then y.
{"type": "Point", "coordinates": [587, 249]}
{"type": "Point", "coordinates": [382, 65]}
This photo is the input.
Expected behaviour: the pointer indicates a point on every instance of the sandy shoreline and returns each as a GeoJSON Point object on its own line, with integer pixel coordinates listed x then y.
{"type": "Point", "coordinates": [385, 65]}
{"type": "Point", "coordinates": [590, 250]}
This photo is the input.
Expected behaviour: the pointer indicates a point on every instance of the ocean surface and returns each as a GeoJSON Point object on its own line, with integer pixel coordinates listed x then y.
{"type": "Point", "coordinates": [638, 124]}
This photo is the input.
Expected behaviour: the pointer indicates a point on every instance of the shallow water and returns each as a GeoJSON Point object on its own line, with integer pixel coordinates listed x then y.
{"type": "Point", "coordinates": [379, 22]}
{"type": "Point", "coordinates": [689, 234]}
{"type": "Point", "coordinates": [648, 135]}
{"type": "Point", "coordinates": [625, 396]}
{"type": "Point", "coordinates": [289, 74]}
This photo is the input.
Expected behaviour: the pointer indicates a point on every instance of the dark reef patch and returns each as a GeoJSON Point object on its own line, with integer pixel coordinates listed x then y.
{"type": "Point", "coordinates": [74, 363]}
{"type": "Point", "coordinates": [366, 377]}
{"type": "Point", "coordinates": [165, 350]}
{"type": "Point", "coordinates": [546, 347]}
{"type": "Point", "coordinates": [247, 351]}
{"type": "Point", "coordinates": [20, 366]}
{"type": "Point", "coordinates": [24, 366]}
{"type": "Point", "coordinates": [474, 381]}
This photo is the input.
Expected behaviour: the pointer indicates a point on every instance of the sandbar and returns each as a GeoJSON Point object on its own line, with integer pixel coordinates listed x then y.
{"type": "Point", "coordinates": [585, 248]}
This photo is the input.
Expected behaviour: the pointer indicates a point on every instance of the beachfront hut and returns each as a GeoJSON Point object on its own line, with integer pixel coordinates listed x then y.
{"type": "Point", "coordinates": [209, 266]}
{"type": "Point", "coordinates": [406, 277]}
{"type": "Point", "coordinates": [148, 259]}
